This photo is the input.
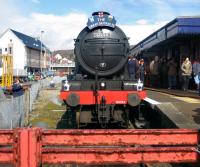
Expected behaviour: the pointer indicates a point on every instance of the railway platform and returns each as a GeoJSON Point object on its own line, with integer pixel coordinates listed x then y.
{"type": "Point", "coordinates": [182, 108]}
{"type": "Point", "coordinates": [177, 92]}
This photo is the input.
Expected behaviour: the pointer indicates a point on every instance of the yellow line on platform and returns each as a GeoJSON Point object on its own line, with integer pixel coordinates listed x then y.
{"type": "Point", "coordinates": [185, 99]}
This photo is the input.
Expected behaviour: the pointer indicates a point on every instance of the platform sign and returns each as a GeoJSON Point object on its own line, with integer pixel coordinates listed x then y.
{"type": "Point", "coordinates": [101, 20]}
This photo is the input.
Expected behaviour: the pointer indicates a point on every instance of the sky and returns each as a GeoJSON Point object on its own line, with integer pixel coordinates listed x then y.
{"type": "Point", "coordinates": [62, 20]}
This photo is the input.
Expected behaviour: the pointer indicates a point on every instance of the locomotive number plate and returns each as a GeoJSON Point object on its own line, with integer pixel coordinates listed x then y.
{"type": "Point", "coordinates": [101, 35]}
{"type": "Point", "coordinates": [120, 102]}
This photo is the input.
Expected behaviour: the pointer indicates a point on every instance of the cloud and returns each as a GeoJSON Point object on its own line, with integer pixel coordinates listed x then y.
{"type": "Point", "coordinates": [60, 30]}
{"type": "Point", "coordinates": [142, 21]}
{"type": "Point", "coordinates": [138, 32]}
{"type": "Point", "coordinates": [35, 1]}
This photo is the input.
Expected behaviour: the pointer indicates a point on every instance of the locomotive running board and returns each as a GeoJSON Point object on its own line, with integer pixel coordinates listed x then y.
{"type": "Point", "coordinates": [31, 147]}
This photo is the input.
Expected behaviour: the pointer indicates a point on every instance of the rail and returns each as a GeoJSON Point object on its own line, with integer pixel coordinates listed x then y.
{"type": "Point", "coordinates": [33, 146]}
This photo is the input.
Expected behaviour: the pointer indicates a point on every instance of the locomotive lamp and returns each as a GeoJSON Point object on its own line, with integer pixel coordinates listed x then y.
{"type": "Point", "coordinates": [139, 85]}
{"type": "Point", "coordinates": [102, 85]}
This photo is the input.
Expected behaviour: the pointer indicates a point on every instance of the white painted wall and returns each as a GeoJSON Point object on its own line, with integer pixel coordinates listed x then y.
{"type": "Point", "coordinates": [19, 52]}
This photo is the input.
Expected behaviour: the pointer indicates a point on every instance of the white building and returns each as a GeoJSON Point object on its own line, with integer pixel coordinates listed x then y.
{"type": "Point", "coordinates": [26, 52]}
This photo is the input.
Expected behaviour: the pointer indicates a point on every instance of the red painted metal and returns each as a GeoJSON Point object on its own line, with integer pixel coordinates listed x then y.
{"type": "Point", "coordinates": [27, 148]}
{"type": "Point", "coordinates": [112, 97]}
{"type": "Point", "coordinates": [100, 156]}
{"type": "Point", "coordinates": [6, 155]}
{"type": "Point", "coordinates": [30, 147]}
{"type": "Point", "coordinates": [6, 140]}
{"type": "Point", "coordinates": [120, 137]}
{"type": "Point", "coordinates": [6, 137]}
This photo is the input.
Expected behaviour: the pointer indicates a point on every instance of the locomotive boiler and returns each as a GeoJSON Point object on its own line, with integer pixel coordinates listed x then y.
{"type": "Point", "coordinates": [101, 91]}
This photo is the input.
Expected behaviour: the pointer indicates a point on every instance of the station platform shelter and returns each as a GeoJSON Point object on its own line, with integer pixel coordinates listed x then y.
{"type": "Point", "coordinates": [178, 39]}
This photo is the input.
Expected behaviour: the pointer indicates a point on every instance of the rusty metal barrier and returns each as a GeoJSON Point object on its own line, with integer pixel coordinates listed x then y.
{"type": "Point", "coordinates": [33, 147]}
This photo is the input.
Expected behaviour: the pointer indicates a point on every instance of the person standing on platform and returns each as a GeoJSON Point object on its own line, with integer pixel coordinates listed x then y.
{"type": "Point", "coordinates": [132, 67]}
{"type": "Point", "coordinates": [186, 69]}
{"type": "Point", "coordinates": [151, 72]}
{"type": "Point", "coordinates": [141, 70]}
{"type": "Point", "coordinates": [164, 73]}
{"type": "Point", "coordinates": [154, 70]}
{"type": "Point", "coordinates": [172, 73]}
{"type": "Point", "coordinates": [196, 72]}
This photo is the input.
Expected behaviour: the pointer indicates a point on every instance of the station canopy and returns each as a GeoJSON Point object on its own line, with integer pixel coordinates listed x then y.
{"type": "Point", "coordinates": [179, 27]}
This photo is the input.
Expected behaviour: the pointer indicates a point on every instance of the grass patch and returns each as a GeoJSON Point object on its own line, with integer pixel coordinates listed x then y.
{"type": "Point", "coordinates": [47, 115]}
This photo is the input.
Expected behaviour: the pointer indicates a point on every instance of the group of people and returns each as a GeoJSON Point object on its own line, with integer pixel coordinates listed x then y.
{"type": "Point", "coordinates": [136, 69]}
{"type": "Point", "coordinates": [163, 72]}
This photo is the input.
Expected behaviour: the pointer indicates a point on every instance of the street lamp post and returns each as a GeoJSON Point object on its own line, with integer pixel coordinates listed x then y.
{"type": "Point", "coordinates": [41, 50]}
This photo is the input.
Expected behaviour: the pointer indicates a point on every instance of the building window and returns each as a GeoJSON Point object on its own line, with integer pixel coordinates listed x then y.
{"type": "Point", "coordinates": [10, 50]}
{"type": "Point", "coordinates": [5, 49]}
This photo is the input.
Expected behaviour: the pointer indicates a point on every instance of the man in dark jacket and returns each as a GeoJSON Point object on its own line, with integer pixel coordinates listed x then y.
{"type": "Point", "coordinates": [141, 70]}
{"type": "Point", "coordinates": [172, 73]}
{"type": "Point", "coordinates": [132, 67]}
{"type": "Point", "coordinates": [164, 73]}
{"type": "Point", "coordinates": [17, 89]}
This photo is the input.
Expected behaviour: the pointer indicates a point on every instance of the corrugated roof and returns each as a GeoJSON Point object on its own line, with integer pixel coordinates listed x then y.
{"type": "Point", "coordinates": [29, 41]}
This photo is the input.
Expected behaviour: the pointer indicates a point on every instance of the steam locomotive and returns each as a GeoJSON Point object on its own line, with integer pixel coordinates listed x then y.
{"type": "Point", "coordinates": [101, 91]}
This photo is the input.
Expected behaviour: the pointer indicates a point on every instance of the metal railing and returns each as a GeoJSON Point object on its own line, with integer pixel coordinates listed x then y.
{"type": "Point", "coordinates": [15, 110]}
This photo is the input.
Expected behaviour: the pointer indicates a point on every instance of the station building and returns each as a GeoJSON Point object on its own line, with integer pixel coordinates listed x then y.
{"type": "Point", "coordinates": [178, 39]}
{"type": "Point", "coordinates": [29, 54]}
